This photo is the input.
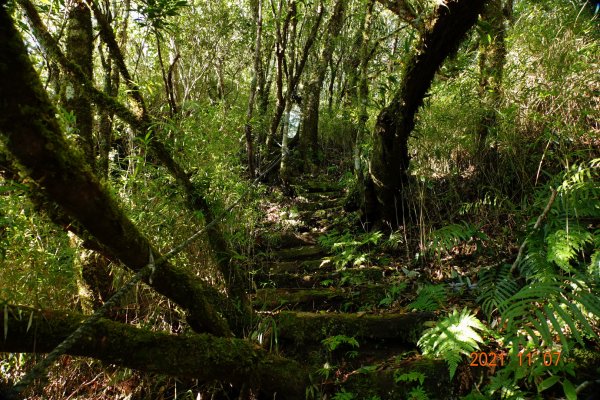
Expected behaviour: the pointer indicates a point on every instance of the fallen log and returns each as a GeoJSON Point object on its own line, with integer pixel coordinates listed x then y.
{"type": "Point", "coordinates": [199, 356]}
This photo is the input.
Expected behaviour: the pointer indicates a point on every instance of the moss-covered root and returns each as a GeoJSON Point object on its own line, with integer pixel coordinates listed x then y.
{"type": "Point", "coordinates": [203, 357]}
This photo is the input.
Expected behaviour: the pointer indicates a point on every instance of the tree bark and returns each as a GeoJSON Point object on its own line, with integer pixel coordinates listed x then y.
{"type": "Point", "coordinates": [406, 11]}
{"type": "Point", "coordinates": [309, 135]}
{"type": "Point", "coordinates": [292, 69]}
{"type": "Point", "coordinates": [141, 122]}
{"type": "Point", "coordinates": [79, 49]}
{"type": "Point", "coordinates": [254, 83]}
{"type": "Point", "coordinates": [203, 357]}
{"type": "Point", "coordinates": [492, 56]}
{"type": "Point", "coordinates": [32, 134]}
{"type": "Point", "coordinates": [388, 169]}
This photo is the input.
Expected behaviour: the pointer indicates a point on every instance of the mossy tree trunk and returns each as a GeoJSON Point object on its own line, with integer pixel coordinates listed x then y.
{"type": "Point", "coordinates": [257, 6]}
{"type": "Point", "coordinates": [309, 134]}
{"type": "Point", "coordinates": [32, 135]}
{"type": "Point", "coordinates": [96, 280]}
{"type": "Point", "coordinates": [141, 122]}
{"type": "Point", "coordinates": [80, 49]}
{"type": "Point", "coordinates": [492, 57]}
{"type": "Point", "coordinates": [388, 169]}
{"type": "Point", "coordinates": [203, 357]}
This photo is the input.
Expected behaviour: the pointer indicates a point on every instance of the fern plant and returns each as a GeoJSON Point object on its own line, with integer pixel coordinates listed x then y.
{"type": "Point", "coordinates": [497, 286]}
{"type": "Point", "coordinates": [430, 298]}
{"type": "Point", "coordinates": [452, 337]}
{"type": "Point", "coordinates": [556, 292]}
{"type": "Point", "coordinates": [444, 239]}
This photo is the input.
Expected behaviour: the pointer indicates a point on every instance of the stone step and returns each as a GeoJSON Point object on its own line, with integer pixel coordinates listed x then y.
{"type": "Point", "coordinates": [294, 266]}
{"type": "Point", "coordinates": [285, 240]}
{"type": "Point", "coordinates": [350, 298]}
{"type": "Point", "coordinates": [300, 253]}
{"type": "Point", "coordinates": [323, 276]}
{"type": "Point", "coordinates": [320, 186]}
{"type": "Point", "coordinates": [318, 205]}
{"type": "Point", "coordinates": [309, 327]}
{"type": "Point", "coordinates": [321, 214]}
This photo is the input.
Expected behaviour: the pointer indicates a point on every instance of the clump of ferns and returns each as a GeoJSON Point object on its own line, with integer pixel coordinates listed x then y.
{"type": "Point", "coordinates": [553, 292]}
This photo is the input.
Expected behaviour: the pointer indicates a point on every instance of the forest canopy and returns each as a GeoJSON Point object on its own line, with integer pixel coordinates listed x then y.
{"type": "Point", "coordinates": [299, 199]}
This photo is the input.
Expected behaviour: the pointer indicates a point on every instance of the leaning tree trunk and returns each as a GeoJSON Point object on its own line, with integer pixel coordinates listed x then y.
{"type": "Point", "coordinates": [32, 134]}
{"type": "Point", "coordinates": [309, 134]}
{"type": "Point", "coordinates": [141, 122]}
{"type": "Point", "coordinates": [388, 169]}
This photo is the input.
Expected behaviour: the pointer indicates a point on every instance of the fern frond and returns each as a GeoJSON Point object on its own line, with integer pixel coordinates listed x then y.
{"type": "Point", "coordinates": [452, 337]}
{"type": "Point", "coordinates": [563, 245]}
{"type": "Point", "coordinates": [445, 238]}
{"type": "Point", "coordinates": [495, 286]}
{"type": "Point", "coordinates": [430, 298]}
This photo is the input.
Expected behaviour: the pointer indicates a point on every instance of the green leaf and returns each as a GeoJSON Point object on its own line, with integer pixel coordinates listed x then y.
{"type": "Point", "coordinates": [5, 321]}
{"type": "Point", "coordinates": [29, 322]}
{"type": "Point", "coordinates": [546, 383]}
{"type": "Point", "coordinates": [569, 389]}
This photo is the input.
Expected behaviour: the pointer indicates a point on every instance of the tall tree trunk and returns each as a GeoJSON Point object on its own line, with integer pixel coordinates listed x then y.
{"type": "Point", "coordinates": [95, 283]}
{"type": "Point", "coordinates": [388, 169]}
{"type": "Point", "coordinates": [492, 57]}
{"type": "Point", "coordinates": [309, 134]}
{"type": "Point", "coordinates": [254, 83]}
{"type": "Point", "coordinates": [32, 134]}
{"type": "Point", "coordinates": [111, 89]}
{"type": "Point", "coordinates": [79, 49]}
{"type": "Point", "coordinates": [295, 66]}
{"type": "Point", "coordinates": [362, 90]}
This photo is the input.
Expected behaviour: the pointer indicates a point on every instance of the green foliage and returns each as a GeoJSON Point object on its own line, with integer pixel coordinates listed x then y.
{"type": "Point", "coordinates": [155, 13]}
{"type": "Point", "coordinates": [430, 298]}
{"type": "Point", "coordinates": [452, 337]}
{"type": "Point", "coordinates": [413, 376]}
{"type": "Point", "coordinates": [333, 342]}
{"type": "Point", "coordinates": [496, 285]}
{"type": "Point", "coordinates": [392, 293]}
{"type": "Point", "coordinates": [444, 239]}
{"type": "Point", "coordinates": [563, 245]}
{"type": "Point", "coordinates": [349, 249]}
{"type": "Point", "coordinates": [343, 395]}
{"type": "Point", "coordinates": [555, 296]}
{"type": "Point", "coordinates": [418, 393]}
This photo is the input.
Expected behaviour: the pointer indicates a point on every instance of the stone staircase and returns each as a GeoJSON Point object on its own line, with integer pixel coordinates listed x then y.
{"type": "Point", "coordinates": [310, 300]}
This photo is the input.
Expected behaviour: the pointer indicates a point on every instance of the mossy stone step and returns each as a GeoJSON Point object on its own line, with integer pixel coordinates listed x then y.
{"type": "Point", "coordinates": [320, 186]}
{"type": "Point", "coordinates": [285, 240]}
{"type": "Point", "coordinates": [321, 214]}
{"type": "Point", "coordinates": [294, 266]}
{"type": "Point", "coordinates": [323, 298]}
{"type": "Point", "coordinates": [318, 205]}
{"type": "Point", "coordinates": [380, 380]}
{"type": "Point", "coordinates": [323, 276]}
{"type": "Point", "coordinates": [308, 327]}
{"type": "Point", "coordinates": [300, 253]}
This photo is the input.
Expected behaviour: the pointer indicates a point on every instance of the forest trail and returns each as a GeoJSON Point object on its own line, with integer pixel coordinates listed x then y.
{"type": "Point", "coordinates": [326, 314]}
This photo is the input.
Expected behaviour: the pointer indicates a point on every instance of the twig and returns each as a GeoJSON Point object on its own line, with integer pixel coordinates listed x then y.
{"type": "Point", "coordinates": [535, 227]}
